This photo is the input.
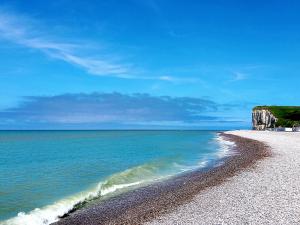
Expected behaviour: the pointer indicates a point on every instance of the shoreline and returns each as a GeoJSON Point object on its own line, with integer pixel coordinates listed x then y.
{"type": "Point", "coordinates": [147, 203]}
{"type": "Point", "coordinates": [268, 193]}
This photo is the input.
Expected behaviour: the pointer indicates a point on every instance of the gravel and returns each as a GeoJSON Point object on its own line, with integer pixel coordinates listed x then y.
{"type": "Point", "coordinates": [149, 202]}
{"type": "Point", "coordinates": [268, 193]}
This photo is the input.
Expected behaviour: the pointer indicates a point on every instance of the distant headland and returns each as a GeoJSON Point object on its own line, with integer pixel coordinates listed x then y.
{"type": "Point", "coordinates": [276, 118]}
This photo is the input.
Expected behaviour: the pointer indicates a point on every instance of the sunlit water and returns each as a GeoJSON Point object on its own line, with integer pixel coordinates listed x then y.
{"type": "Point", "coordinates": [43, 174]}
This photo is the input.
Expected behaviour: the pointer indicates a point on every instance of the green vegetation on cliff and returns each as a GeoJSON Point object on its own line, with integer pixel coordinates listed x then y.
{"type": "Point", "coordinates": [287, 116]}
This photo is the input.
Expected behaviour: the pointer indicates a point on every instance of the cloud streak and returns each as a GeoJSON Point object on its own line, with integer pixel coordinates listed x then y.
{"type": "Point", "coordinates": [239, 76]}
{"type": "Point", "coordinates": [113, 108]}
{"type": "Point", "coordinates": [28, 34]}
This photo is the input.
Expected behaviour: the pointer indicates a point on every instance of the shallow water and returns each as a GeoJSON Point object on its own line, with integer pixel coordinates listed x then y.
{"type": "Point", "coordinates": [45, 173]}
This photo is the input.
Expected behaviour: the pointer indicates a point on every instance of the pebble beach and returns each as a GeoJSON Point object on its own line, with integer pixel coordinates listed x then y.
{"type": "Point", "coordinates": [267, 193]}
{"type": "Point", "coordinates": [213, 196]}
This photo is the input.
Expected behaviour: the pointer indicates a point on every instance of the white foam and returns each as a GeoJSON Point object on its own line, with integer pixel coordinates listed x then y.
{"type": "Point", "coordinates": [225, 147]}
{"type": "Point", "coordinates": [50, 214]}
{"type": "Point", "coordinates": [118, 187]}
{"type": "Point", "coordinates": [203, 163]}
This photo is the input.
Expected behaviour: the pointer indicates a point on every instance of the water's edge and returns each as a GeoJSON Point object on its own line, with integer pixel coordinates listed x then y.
{"type": "Point", "coordinates": [146, 203]}
{"type": "Point", "coordinates": [110, 190]}
{"type": "Point", "coordinates": [226, 150]}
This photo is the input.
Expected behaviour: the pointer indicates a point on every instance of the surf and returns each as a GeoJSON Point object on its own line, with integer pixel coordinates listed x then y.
{"type": "Point", "coordinates": [133, 177]}
{"type": "Point", "coordinates": [122, 181]}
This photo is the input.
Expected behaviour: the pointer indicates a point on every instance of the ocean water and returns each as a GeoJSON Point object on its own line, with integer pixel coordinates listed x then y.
{"type": "Point", "coordinates": [44, 174]}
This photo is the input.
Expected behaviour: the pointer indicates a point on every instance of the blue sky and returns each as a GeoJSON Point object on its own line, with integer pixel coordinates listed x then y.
{"type": "Point", "coordinates": [145, 63]}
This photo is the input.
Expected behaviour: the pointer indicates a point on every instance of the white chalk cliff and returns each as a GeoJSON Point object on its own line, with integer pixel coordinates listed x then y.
{"type": "Point", "coordinates": [263, 119]}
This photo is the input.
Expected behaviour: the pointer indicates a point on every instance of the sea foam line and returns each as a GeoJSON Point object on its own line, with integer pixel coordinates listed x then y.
{"type": "Point", "coordinates": [51, 213]}
{"type": "Point", "coordinates": [225, 147]}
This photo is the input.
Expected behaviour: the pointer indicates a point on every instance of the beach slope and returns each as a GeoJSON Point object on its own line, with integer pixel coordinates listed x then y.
{"type": "Point", "coordinates": [267, 193]}
{"type": "Point", "coordinates": [153, 201]}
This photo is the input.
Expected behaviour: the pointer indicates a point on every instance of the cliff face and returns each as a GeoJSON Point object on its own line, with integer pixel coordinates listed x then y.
{"type": "Point", "coordinates": [262, 119]}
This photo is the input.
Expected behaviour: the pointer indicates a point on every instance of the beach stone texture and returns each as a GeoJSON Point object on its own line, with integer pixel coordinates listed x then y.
{"type": "Point", "coordinates": [268, 193]}
{"type": "Point", "coordinates": [146, 203]}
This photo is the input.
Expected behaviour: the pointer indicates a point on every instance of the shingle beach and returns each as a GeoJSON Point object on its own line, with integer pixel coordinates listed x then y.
{"type": "Point", "coordinates": [232, 193]}
{"type": "Point", "coordinates": [268, 193]}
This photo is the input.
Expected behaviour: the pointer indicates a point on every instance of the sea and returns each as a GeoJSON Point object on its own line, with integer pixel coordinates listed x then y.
{"type": "Point", "coordinates": [46, 174]}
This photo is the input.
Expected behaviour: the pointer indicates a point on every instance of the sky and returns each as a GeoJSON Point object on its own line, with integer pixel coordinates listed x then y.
{"type": "Point", "coordinates": [145, 64]}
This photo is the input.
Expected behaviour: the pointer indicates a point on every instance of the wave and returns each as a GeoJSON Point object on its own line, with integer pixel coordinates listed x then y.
{"type": "Point", "coordinates": [225, 147]}
{"type": "Point", "coordinates": [116, 183]}
{"type": "Point", "coordinates": [124, 180]}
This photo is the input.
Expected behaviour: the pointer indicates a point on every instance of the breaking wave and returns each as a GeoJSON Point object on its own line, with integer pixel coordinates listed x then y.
{"type": "Point", "coordinates": [122, 181]}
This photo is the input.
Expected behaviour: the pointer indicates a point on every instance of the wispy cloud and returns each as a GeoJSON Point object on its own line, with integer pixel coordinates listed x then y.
{"type": "Point", "coordinates": [29, 34]}
{"type": "Point", "coordinates": [246, 72]}
{"type": "Point", "coordinates": [239, 76]}
{"type": "Point", "coordinates": [103, 108]}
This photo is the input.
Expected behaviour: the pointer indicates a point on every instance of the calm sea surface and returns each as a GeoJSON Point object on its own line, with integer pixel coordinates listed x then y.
{"type": "Point", "coordinates": [43, 174]}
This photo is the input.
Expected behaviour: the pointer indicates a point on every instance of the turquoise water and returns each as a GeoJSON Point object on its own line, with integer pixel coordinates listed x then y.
{"type": "Point", "coordinates": [45, 173]}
